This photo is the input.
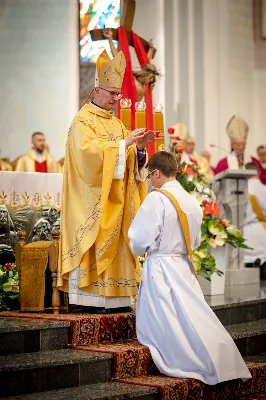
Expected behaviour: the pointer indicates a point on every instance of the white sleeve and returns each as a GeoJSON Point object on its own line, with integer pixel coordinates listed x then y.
{"type": "Point", "coordinates": [146, 226]}
{"type": "Point", "coordinates": [121, 161]}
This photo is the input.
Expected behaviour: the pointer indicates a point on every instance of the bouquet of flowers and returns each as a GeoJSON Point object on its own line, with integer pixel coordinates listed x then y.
{"type": "Point", "coordinates": [215, 231]}
{"type": "Point", "coordinates": [9, 286]}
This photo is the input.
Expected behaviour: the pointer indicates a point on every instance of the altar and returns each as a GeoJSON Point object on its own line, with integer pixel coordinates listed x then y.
{"type": "Point", "coordinates": [30, 202]}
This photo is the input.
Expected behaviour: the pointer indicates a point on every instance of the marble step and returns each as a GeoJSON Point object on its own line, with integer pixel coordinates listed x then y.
{"type": "Point", "coordinates": [237, 312]}
{"type": "Point", "coordinates": [52, 370]}
{"type": "Point", "coordinates": [258, 358]}
{"type": "Point", "coordinates": [250, 337]}
{"type": "Point", "coordinates": [19, 335]}
{"type": "Point", "coordinates": [97, 391]}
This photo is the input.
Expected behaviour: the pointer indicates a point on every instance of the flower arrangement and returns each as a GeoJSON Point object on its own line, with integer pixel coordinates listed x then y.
{"type": "Point", "coordinates": [215, 231]}
{"type": "Point", "coordinates": [9, 286]}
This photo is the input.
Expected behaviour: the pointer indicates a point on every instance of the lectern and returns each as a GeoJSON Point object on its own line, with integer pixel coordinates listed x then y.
{"type": "Point", "coordinates": [231, 190]}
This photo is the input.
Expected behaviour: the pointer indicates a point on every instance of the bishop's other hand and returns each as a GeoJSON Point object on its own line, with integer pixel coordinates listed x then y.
{"type": "Point", "coordinates": [147, 138]}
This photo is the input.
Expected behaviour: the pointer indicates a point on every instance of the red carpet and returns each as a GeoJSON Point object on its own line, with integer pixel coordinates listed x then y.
{"type": "Point", "coordinates": [89, 328]}
{"type": "Point", "coordinates": [188, 389]}
{"type": "Point", "coordinates": [132, 362]}
{"type": "Point", "coordinates": [130, 358]}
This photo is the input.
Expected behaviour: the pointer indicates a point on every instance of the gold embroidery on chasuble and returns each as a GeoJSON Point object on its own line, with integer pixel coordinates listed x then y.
{"type": "Point", "coordinates": [97, 209]}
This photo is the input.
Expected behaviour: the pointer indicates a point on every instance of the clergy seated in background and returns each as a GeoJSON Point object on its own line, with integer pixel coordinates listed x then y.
{"type": "Point", "coordinates": [103, 187]}
{"type": "Point", "coordinates": [190, 155]}
{"type": "Point", "coordinates": [261, 155]}
{"type": "Point", "coordinates": [237, 130]}
{"type": "Point", "coordinates": [185, 338]}
{"type": "Point", "coordinates": [38, 158]}
{"type": "Point", "coordinates": [5, 165]}
{"type": "Point", "coordinates": [207, 155]}
{"type": "Point", "coordinates": [255, 219]}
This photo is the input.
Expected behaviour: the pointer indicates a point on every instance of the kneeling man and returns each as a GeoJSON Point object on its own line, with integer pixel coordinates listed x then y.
{"type": "Point", "coordinates": [185, 337]}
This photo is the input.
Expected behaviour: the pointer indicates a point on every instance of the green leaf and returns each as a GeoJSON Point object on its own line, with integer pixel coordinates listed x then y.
{"type": "Point", "coordinates": [214, 227]}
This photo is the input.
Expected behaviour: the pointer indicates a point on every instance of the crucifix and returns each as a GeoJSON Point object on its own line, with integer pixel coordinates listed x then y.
{"type": "Point", "coordinates": [147, 74]}
{"type": "Point", "coordinates": [127, 19]}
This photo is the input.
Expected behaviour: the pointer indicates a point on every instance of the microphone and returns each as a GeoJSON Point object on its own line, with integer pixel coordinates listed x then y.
{"type": "Point", "coordinates": [219, 147]}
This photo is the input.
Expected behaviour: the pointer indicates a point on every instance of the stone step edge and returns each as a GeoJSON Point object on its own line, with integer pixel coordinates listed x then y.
{"type": "Point", "coordinates": [32, 324]}
{"type": "Point", "coordinates": [46, 359]}
{"type": "Point", "coordinates": [98, 391]}
{"type": "Point", "coordinates": [247, 329]}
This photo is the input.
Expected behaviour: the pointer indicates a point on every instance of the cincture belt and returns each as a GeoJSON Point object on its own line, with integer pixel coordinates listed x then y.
{"type": "Point", "coordinates": [166, 255]}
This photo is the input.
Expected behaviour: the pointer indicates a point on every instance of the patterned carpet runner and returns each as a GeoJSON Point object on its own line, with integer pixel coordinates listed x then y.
{"type": "Point", "coordinates": [89, 328]}
{"type": "Point", "coordinates": [132, 364]}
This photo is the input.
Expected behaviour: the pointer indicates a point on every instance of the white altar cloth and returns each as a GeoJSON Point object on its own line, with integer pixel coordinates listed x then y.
{"type": "Point", "coordinates": [34, 189]}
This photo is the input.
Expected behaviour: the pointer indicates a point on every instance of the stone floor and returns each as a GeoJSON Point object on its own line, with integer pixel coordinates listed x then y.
{"type": "Point", "coordinates": [239, 294]}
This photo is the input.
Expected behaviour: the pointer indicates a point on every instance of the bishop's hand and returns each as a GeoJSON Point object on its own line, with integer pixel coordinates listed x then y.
{"type": "Point", "coordinates": [143, 141]}
{"type": "Point", "coordinates": [135, 135]}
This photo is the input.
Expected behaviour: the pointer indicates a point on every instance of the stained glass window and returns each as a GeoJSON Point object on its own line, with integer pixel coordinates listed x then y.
{"type": "Point", "coordinates": [96, 14]}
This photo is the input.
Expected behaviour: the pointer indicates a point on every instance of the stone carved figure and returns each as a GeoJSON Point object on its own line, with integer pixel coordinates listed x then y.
{"type": "Point", "coordinates": [42, 230]}
{"type": "Point", "coordinates": [8, 234]}
{"type": "Point", "coordinates": [53, 216]}
{"type": "Point", "coordinates": [146, 75]}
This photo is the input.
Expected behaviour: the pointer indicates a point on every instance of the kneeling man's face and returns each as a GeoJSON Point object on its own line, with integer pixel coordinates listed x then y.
{"type": "Point", "coordinates": [155, 178]}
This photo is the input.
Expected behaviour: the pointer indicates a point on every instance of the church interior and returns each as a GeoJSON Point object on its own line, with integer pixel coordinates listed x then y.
{"type": "Point", "coordinates": [186, 77]}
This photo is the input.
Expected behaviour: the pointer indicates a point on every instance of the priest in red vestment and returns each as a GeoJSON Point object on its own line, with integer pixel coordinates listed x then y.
{"type": "Point", "coordinates": [38, 158]}
{"type": "Point", "coordinates": [237, 130]}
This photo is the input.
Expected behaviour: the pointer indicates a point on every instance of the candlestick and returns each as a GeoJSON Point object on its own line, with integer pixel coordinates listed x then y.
{"type": "Point", "coordinates": [140, 115]}
{"type": "Point", "coordinates": [158, 124]}
{"type": "Point", "coordinates": [125, 112]}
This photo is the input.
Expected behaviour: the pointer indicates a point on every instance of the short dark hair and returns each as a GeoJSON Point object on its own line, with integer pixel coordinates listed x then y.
{"type": "Point", "coordinates": [36, 133]}
{"type": "Point", "coordinates": [261, 146]}
{"type": "Point", "coordinates": [165, 162]}
{"type": "Point", "coordinates": [251, 165]}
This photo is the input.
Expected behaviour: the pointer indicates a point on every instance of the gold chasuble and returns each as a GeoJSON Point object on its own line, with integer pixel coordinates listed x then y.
{"type": "Point", "coordinates": [98, 209]}
{"type": "Point", "coordinates": [29, 163]}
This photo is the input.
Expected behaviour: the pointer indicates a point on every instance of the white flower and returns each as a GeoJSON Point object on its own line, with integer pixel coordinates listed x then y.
{"type": "Point", "coordinates": [202, 253]}
{"type": "Point", "coordinates": [220, 238]}
{"type": "Point", "coordinates": [232, 230]}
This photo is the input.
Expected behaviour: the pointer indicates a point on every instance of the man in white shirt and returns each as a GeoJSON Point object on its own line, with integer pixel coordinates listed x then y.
{"type": "Point", "coordinates": [255, 219]}
{"type": "Point", "coordinates": [184, 336]}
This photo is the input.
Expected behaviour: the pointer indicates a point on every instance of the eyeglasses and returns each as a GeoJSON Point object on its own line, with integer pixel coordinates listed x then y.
{"type": "Point", "coordinates": [150, 174]}
{"type": "Point", "coordinates": [113, 94]}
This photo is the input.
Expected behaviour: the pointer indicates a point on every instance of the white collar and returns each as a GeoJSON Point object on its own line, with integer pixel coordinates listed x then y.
{"type": "Point", "coordinates": [170, 184]}
{"type": "Point", "coordinates": [101, 108]}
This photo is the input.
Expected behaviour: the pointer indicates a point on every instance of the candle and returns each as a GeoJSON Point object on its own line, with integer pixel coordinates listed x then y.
{"type": "Point", "coordinates": [125, 117]}
{"type": "Point", "coordinates": [158, 124]}
{"type": "Point", "coordinates": [125, 112]}
{"type": "Point", "coordinates": [140, 118]}
{"type": "Point", "coordinates": [140, 114]}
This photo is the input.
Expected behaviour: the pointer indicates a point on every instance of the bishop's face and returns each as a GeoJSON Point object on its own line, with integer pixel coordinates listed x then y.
{"type": "Point", "coordinates": [107, 98]}
{"type": "Point", "coordinates": [189, 145]}
{"type": "Point", "coordinates": [239, 148]}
